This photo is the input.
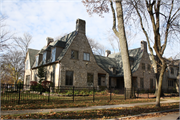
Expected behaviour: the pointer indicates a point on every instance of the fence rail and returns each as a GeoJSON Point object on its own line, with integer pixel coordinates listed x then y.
{"type": "Point", "coordinates": [29, 94]}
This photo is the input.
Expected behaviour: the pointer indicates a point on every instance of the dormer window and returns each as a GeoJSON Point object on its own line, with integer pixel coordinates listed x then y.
{"type": "Point", "coordinates": [44, 57]}
{"type": "Point", "coordinates": [37, 59]}
{"type": "Point", "coordinates": [53, 54]}
{"type": "Point", "coordinates": [172, 71]}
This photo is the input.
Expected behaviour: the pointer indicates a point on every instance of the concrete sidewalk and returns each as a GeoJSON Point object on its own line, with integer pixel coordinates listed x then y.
{"type": "Point", "coordinates": [10, 112]}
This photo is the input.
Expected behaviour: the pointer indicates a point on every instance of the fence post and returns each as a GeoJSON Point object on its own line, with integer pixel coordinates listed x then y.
{"type": "Point", "coordinates": [125, 93]}
{"type": "Point", "coordinates": [49, 93]}
{"type": "Point", "coordinates": [110, 93]}
{"type": "Point", "coordinates": [19, 94]}
{"type": "Point", "coordinates": [73, 93]}
{"type": "Point", "coordinates": [93, 93]}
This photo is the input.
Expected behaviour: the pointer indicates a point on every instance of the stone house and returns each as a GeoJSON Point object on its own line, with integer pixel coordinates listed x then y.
{"type": "Point", "coordinates": [70, 62]}
{"type": "Point", "coordinates": [142, 72]}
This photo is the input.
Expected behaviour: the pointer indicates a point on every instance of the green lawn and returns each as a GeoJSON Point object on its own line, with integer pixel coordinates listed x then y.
{"type": "Point", "coordinates": [36, 101]}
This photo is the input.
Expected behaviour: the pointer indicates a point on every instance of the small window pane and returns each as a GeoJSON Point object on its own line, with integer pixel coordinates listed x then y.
{"type": "Point", "coordinates": [74, 54]}
{"type": "Point", "coordinates": [37, 57]}
{"type": "Point", "coordinates": [149, 67]}
{"type": "Point", "coordinates": [172, 70]}
{"type": "Point", "coordinates": [87, 56]}
{"type": "Point", "coordinates": [90, 79]}
{"type": "Point", "coordinates": [69, 77]}
{"type": "Point", "coordinates": [141, 83]}
{"type": "Point", "coordinates": [53, 54]}
{"type": "Point", "coordinates": [143, 66]}
{"type": "Point", "coordinates": [44, 57]}
{"type": "Point", "coordinates": [26, 64]}
{"type": "Point", "coordinates": [151, 83]}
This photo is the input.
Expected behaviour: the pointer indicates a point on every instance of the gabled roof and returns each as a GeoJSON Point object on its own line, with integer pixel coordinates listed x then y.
{"type": "Point", "coordinates": [105, 63]}
{"type": "Point", "coordinates": [63, 42]}
{"type": "Point", "coordinates": [32, 53]}
{"type": "Point", "coordinates": [115, 60]}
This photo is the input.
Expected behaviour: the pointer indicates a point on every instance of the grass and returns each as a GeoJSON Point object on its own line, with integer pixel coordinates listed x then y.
{"type": "Point", "coordinates": [36, 101]}
{"type": "Point", "coordinates": [95, 114]}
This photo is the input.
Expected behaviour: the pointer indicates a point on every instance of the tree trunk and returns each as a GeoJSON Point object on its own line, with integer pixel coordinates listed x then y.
{"type": "Point", "coordinates": [124, 50]}
{"type": "Point", "coordinates": [160, 83]}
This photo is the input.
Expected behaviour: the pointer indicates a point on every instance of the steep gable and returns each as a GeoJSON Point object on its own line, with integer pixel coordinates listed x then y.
{"type": "Point", "coordinates": [32, 53]}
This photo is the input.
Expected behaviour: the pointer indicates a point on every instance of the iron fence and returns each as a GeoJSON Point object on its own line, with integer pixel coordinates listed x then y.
{"type": "Point", "coordinates": [30, 94]}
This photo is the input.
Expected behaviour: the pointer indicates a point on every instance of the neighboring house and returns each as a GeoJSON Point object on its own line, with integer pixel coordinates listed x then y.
{"type": "Point", "coordinates": [171, 76]}
{"type": "Point", "coordinates": [142, 72]}
{"type": "Point", "coordinates": [29, 61]}
{"type": "Point", "coordinates": [69, 61]}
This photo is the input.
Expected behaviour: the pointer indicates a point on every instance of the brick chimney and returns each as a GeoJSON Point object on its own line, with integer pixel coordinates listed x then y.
{"type": "Point", "coordinates": [107, 52]}
{"type": "Point", "coordinates": [144, 46]}
{"type": "Point", "coordinates": [81, 26]}
{"type": "Point", "coordinates": [49, 40]}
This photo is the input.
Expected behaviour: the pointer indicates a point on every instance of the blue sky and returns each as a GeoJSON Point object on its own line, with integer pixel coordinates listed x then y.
{"type": "Point", "coordinates": [51, 18]}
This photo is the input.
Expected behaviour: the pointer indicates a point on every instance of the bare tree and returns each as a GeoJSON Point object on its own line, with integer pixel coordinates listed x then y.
{"type": "Point", "coordinates": [5, 34]}
{"type": "Point", "coordinates": [102, 6]}
{"type": "Point", "coordinates": [12, 65]}
{"type": "Point", "coordinates": [114, 40]}
{"type": "Point", "coordinates": [96, 47]}
{"type": "Point", "coordinates": [23, 42]}
{"type": "Point", "coordinates": [162, 18]}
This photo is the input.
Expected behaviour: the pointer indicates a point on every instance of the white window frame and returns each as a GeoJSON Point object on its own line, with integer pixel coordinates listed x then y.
{"type": "Point", "coordinates": [37, 59]}
{"type": "Point", "coordinates": [44, 57]}
{"type": "Point", "coordinates": [53, 54]}
{"type": "Point", "coordinates": [86, 56]}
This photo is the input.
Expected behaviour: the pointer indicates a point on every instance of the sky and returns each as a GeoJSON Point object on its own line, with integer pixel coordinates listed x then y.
{"type": "Point", "coordinates": [53, 18]}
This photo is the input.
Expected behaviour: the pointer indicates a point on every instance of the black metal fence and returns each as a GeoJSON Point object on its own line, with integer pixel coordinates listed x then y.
{"type": "Point", "coordinates": [29, 94]}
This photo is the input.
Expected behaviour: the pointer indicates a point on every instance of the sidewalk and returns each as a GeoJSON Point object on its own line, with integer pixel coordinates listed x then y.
{"type": "Point", "coordinates": [10, 112]}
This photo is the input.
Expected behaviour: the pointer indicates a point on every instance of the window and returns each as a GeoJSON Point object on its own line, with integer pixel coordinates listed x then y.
{"type": "Point", "coordinates": [99, 81]}
{"type": "Point", "coordinates": [177, 71]}
{"type": "Point", "coordinates": [26, 64]}
{"type": "Point", "coordinates": [53, 54]}
{"type": "Point", "coordinates": [172, 70]}
{"type": "Point", "coordinates": [151, 83]}
{"type": "Point", "coordinates": [170, 83]}
{"type": "Point", "coordinates": [69, 77]}
{"type": "Point", "coordinates": [27, 79]}
{"type": "Point", "coordinates": [149, 67]}
{"type": "Point", "coordinates": [143, 66]}
{"type": "Point", "coordinates": [74, 54]}
{"type": "Point", "coordinates": [87, 56]}
{"type": "Point", "coordinates": [37, 57]}
{"type": "Point", "coordinates": [141, 83]}
{"type": "Point", "coordinates": [44, 57]}
{"type": "Point", "coordinates": [90, 79]}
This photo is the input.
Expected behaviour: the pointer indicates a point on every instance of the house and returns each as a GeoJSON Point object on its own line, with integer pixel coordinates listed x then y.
{"type": "Point", "coordinates": [70, 62]}
{"type": "Point", "coordinates": [171, 76]}
{"type": "Point", "coordinates": [142, 72]}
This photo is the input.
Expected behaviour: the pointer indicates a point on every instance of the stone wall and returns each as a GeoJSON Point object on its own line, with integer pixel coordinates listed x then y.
{"type": "Point", "coordinates": [79, 66]}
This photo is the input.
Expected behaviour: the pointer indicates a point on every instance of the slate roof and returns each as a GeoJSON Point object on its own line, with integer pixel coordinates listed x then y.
{"type": "Point", "coordinates": [32, 54]}
{"type": "Point", "coordinates": [115, 60]}
{"type": "Point", "coordinates": [63, 42]}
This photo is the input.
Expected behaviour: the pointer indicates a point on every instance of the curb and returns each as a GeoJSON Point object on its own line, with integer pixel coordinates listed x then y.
{"type": "Point", "coordinates": [145, 114]}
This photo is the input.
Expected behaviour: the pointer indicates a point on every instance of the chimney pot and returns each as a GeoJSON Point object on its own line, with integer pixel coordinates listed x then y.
{"type": "Point", "coordinates": [81, 26]}
{"type": "Point", "coordinates": [144, 45]}
{"type": "Point", "coordinates": [49, 40]}
{"type": "Point", "coordinates": [107, 53]}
